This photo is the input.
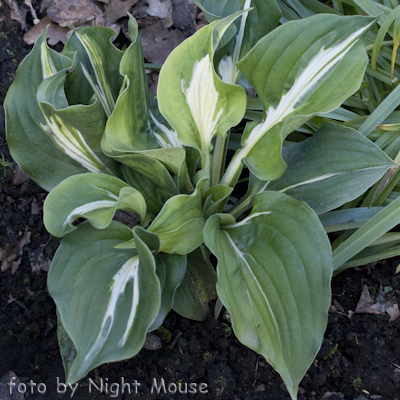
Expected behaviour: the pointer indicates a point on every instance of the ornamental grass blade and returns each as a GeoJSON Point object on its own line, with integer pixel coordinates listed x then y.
{"type": "Point", "coordinates": [274, 271]}
{"type": "Point", "coordinates": [372, 230]}
{"type": "Point", "coordinates": [118, 289]}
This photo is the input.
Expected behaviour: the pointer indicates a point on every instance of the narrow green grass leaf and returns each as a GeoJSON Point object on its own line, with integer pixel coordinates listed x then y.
{"type": "Point", "coordinates": [377, 226]}
{"type": "Point", "coordinates": [383, 111]}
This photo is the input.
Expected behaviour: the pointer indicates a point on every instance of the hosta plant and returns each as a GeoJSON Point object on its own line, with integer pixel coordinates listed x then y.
{"type": "Point", "coordinates": [373, 111]}
{"type": "Point", "coordinates": [83, 125]}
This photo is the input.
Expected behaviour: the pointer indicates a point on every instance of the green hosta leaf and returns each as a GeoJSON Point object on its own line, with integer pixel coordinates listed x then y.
{"type": "Point", "coordinates": [274, 270]}
{"type": "Point", "coordinates": [333, 167]}
{"type": "Point", "coordinates": [116, 292]}
{"type": "Point", "coordinates": [67, 348]}
{"type": "Point", "coordinates": [96, 59]}
{"type": "Point", "coordinates": [29, 145]}
{"type": "Point", "coordinates": [198, 286]}
{"type": "Point", "coordinates": [152, 169]}
{"type": "Point", "coordinates": [217, 9]}
{"type": "Point", "coordinates": [301, 68]}
{"type": "Point", "coordinates": [193, 99]}
{"type": "Point", "coordinates": [171, 269]}
{"type": "Point", "coordinates": [154, 196]}
{"type": "Point", "coordinates": [180, 223]}
{"type": "Point", "coordinates": [261, 20]}
{"type": "Point", "coordinates": [95, 197]}
{"type": "Point", "coordinates": [132, 129]}
{"type": "Point", "coordinates": [216, 198]}
{"type": "Point", "coordinates": [128, 128]}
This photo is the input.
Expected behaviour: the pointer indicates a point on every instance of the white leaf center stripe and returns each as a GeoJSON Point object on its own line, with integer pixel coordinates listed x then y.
{"type": "Point", "coordinates": [73, 144]}
{"type": "Point", "coordinates": [129, 271]}
{"type": "Point", "coordinates": [95, 205]}
{"type": "Point", "coordinates": [48, 67]}
{"type": "Point", "coordinates": [308, 78]}
{"type": "Point", "coordinates": [227, 67]}
{"type": "Point", "coordinates": [202, 98]}
{"type": "Point", "coordinates": [171, 135]}
{"type": "Point", "coordinates": [102, 88]}
{"type": "Point", "coordinates": [327, 176]}
{"type": "Point", "coordinates": [319, 66]}
{"type": "Point", "coordinates": [247, 220]}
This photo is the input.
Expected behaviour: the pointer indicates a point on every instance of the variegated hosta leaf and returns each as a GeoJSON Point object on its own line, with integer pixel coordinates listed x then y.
{"type": "Point", "coordinates": [301, 68]}
{"type": "Point", "coordinates": [180, 223]}
{"type": "Point", "coordinates": [274, 271]}
{"type": "Point", "coordinates": [333, 167]}
{"type": "Point", "coordinates": [107, 298]}
{"type": "Point", "coordinates": [96, 66]}
{"type": "Point", "coordinates": [76, 130]}
{"type": "Point", "coordinates": [133, 129]}
{"type": "Point", "coordinates": [29, 145]}
{"type": "Point", "coordinates": [95, 197]}
{"type": "Point", "coordinates": [128, 128]}
{"type": "Point", "coordinates": [252, 26]}
{"type": "Point", "coordinates": [193, 99]}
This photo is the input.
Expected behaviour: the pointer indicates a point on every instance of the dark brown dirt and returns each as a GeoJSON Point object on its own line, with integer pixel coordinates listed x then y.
{"type": "Point", "coordinates": [359, 358]}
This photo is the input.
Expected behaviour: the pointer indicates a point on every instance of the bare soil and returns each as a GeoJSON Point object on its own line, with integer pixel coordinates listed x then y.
{"type": "Point", "coordinates": [359, 358]}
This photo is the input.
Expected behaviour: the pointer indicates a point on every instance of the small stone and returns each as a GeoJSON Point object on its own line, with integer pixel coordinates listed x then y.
{"type": "Point", "coordinates": [153, 342]}
{"type": "Point", "coordinates": [260, 388]}
{"type": "Point", "coordinates": [396, 375]}
{"type": "Point", "coordinates": [5, 388]}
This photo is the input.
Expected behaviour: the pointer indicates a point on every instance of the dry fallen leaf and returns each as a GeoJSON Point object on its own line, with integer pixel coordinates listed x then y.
{"type": "Point", "coordinates": [36, 207]}
{"type": "Point", "coordinates": [33, 12]}
{"type": "Point", "coordinates": [158, 42]}
{"type": "Point", "coordinates": [17, 14]}
{"type": "Point", "coordinates": [19, 176]}
{"type": "Point", "coordinates": [159, 8]}
{"type": "Point", "coordinates": [75, 13]}
{"type": "Point", "coordinates": [55, 33]}
{"type": "Point", "coordinates": [184, 15]}
{"type": "Point", "coordinates": [39, 261]}
{"type": "Point", "coordinates": [380, 306]}
{"type": "Point", "coordinates": [13, 251]}
{"type": "Point", "coordinates": [116, 9]}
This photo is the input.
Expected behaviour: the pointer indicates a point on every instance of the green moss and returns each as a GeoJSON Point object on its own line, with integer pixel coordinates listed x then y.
{"type": "Point", "coordinates": [356, 382]}
{"type": "Point", "coordinates": [332, 351]}
{"type": "Point", "coordinates": [164, 334]}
